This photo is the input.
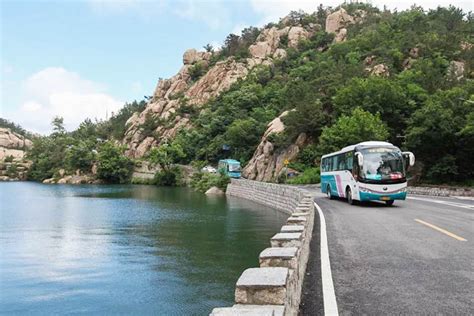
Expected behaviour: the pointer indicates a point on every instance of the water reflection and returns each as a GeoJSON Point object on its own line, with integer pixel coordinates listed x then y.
{"type": "Point", "coordinates": [124, 249]}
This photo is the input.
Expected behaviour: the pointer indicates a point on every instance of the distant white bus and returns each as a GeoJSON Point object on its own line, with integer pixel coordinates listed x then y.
{"type": "Point", "coordinates": [366, 171]}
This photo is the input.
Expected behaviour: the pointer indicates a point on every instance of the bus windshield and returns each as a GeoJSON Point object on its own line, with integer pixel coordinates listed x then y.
{"type": "Point", "coordinates": [382, 164]}
{"type": "Point", "coordinates": [234, 167]}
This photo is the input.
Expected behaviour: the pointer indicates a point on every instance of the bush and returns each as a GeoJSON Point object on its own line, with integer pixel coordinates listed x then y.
{"type": "Point", "coordinates": [197, 70]}
{"type": "Point", "coordinates": [80, 156]}
{"type": "Point", "coordinates": [309, 176]}
{"type": "Point", "coordinates": [113, 166]}
{"type": "Point", "coordinates": [204, 181]}
{"type": "Point", "coordinates": [170, 178]}
{"type": "Point", "coordinates": [12, 171]}
{"type": "Point", "coordinates": [9, 158]}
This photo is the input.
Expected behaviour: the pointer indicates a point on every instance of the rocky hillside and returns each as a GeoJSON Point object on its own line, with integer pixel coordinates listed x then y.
{"type": "Point", "coordinates": [165, 107]}
{"type": "Point", "coordinates": [13, 166]}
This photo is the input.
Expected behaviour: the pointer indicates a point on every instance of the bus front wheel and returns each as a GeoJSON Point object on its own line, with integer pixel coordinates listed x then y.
{"type": "Point", "coordinates": [389, 203]}
{"type": "Point", "coordinates": [328, 192]}
{"type": "Point", "coordinates": [349, 196]}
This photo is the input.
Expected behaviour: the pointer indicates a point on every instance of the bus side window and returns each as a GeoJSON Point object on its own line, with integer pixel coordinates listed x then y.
{"type": "Point", "coordinates": [349, 161]}
{"type": "Point", "coordinates": [342, 162]}
{"type": "Point", "coordinates": [334, 163]}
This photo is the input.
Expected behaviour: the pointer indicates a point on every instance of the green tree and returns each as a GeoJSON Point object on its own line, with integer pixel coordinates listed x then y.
{"type": "Point", "coordinates": [359, 126]}
{"type": "Point", "coordinates": [113, 165]}
{"type": "Point", "coordinates": [58, 125]}
{"type": "Point", "coordinates": [80, 156]}
{"type": "Point", "coordinates": [308, 117]}
{"type": "Point", "coordinates": [376, 95]}
{"type": "Point", "coordinates": [166, 154]}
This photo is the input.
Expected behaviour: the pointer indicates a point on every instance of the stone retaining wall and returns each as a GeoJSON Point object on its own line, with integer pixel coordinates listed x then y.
{"type": "Point", "coordinates": [441, 191]}
{"type": "Point", "coordinates": [275, 287]}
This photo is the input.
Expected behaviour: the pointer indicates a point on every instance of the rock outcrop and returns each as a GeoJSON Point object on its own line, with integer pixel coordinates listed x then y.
{"type": "Point", "coordinates": [214, 191]}
{"type": "Point", "coordinates": [456, 69]}
{"type": "Point", "coordinates": [74, 179]}
{"type": "Point", "coordinates": [337, 22]}
{"type": "Point", "coordinates": [13, 146]}
{"type": "Point", "coordinates": [180, 90]}
{"type": "Point", "coordinates": [267, 162]}
{"type": "Point", "coordinates": [380, 70]}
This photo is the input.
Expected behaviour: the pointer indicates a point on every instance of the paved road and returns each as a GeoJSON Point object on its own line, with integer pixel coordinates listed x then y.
{"type": "Point", "coordinates": [407, 259]}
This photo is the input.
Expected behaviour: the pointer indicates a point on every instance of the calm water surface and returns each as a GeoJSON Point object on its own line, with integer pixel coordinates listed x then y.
{"type": "Point", "coordinates": [125, 249]}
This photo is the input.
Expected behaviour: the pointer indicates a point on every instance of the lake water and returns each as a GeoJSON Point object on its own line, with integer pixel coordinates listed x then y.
{"type": "Point", "coordinates": [125, 249]}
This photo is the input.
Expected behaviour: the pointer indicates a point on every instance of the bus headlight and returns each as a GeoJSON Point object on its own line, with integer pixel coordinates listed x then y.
{"type": "Point", "coordinates": [362, 189]}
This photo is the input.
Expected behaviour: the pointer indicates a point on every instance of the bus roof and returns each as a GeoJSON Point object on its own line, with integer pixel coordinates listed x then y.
{"type": "Point", "coordinates": [352, 147]}
{"type": "Point", "coordinates": [230, 161]}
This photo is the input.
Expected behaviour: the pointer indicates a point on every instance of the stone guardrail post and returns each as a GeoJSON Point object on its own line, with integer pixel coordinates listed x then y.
{"type": "Point", "coordinates": [275, 287]}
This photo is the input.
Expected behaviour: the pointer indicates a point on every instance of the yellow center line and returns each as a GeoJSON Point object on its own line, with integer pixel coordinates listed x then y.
{"type": "Point", "coordinates": [444, 231]}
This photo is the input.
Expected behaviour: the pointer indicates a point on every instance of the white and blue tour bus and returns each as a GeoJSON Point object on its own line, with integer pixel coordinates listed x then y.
{"type": "Point", "coordinates": [366, 171]}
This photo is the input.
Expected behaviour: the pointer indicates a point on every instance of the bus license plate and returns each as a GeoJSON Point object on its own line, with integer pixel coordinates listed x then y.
{"type": "Point", "coordinates": [385, 198]}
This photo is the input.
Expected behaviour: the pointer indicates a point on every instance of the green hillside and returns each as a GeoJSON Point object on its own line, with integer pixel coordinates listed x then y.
{"type": "Point", "coordinates": [403, 76]}
{"type": "Point", "coordinates": [422, 106]}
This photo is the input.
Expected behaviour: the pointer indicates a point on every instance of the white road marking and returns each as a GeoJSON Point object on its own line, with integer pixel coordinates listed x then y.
{"type": "Point", "coordinates": [329, 295]}
{"type": "Point", "coordinates": [467, 206]}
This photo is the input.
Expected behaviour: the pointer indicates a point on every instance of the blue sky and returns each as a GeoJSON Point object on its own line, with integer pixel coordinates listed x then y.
{"type": "Point", "coordinates": [82, 59]}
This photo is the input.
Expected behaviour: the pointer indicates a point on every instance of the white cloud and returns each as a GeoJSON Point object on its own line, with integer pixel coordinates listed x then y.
{"type": "Point", "coordinates": [272, 10]}
{"type": "Point", "coordinates": [214, 13]}
{"type": "Point", "coordinates": [56, 91]}
{"type": "Point", "coordinates": [31, 106]}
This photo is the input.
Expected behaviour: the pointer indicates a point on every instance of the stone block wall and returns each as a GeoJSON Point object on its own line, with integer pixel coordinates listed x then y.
{"type": "Point", "coordinates": [284, 198]}
{"type": "Point", "coordinates": [275, 287]}
{"type": "Point", "coordinates": [441, 191]}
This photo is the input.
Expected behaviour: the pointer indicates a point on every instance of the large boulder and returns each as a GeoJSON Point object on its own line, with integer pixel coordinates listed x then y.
{"type": "Point", "coordinates": [338, 20]}
{"type": "Point", "coordinates": [12, 140]}
{"type": "Point", "coordinates": [192, 56]}
{"type": "Point", "coordinates": [379, 70]}
{"type": "Point", "coordinates": [456, 69]}
{"type": "Point", "coordinates": [214, 191]}
{"type": "Point", "coordinates": [295, 35]}
{"type": "Point", "coordinates": [260, 50]}
{"type": "Point", "coordinates": [267, 163]}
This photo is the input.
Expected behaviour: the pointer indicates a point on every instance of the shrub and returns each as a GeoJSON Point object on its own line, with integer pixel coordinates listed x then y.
{"type": "Point", "coordinates": [12, 171]}
{"type": "Point", "coordinates": [197, 70]}
{"type": "Point", "coordinates": [309, 176]}
{"type": "Point", "coordinates": [9, 158]}
{"type": "Point", "coordinates": [204, 181]}
{"type": "Point", "coordinates": [113, 166]}
{"type": "Point", "coordinates": [170, 177]}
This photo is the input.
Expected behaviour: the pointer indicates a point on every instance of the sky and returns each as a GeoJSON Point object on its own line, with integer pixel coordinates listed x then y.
{"type": "Point", "coordinates": [86, 58]}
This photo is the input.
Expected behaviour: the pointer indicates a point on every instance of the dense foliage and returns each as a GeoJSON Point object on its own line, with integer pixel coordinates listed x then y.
{"type": "Point", "coordinates": [418, 104]}
{"type": "Point", "coordinates": [91, 143]}
{"type": "Point", "coordinates": [202, 181]}
{"type": "Point", "coordinates": [112, 165]}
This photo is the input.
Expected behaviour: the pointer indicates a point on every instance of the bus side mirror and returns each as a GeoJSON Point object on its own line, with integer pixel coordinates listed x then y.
{"type": "Point", "coordinates": [409, 157]}
{"type": "Point", "coordinates": [360, 159]}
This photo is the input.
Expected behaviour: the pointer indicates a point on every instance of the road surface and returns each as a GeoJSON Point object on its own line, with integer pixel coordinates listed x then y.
{"type": "Point", "coordinates": [416, 257]}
